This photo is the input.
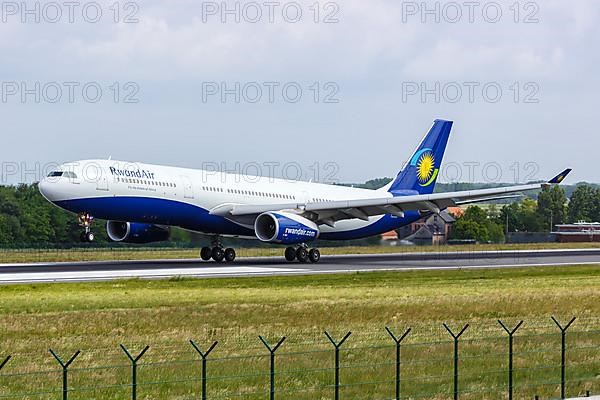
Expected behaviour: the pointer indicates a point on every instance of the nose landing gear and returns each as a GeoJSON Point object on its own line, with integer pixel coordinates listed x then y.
{"type": "Point", "coordinates": [302, 254]}
{"type": "Point", "coordinates": [85, 221]}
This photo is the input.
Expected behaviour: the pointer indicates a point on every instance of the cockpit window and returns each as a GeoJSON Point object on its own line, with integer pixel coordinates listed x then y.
{"type": "Point", "coordinates": [66, 174]}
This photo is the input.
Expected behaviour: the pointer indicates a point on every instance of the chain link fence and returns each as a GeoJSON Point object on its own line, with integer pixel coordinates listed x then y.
{"type": "Point", "coordinates": [558, 361]}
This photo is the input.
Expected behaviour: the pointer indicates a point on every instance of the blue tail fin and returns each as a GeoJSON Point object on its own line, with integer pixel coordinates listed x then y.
{"type": "Point", "coordinates": [421, 171]}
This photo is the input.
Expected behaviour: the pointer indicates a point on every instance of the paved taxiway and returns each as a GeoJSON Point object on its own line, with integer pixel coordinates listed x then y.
{"type": "Point", "coordinates": [274, 266]}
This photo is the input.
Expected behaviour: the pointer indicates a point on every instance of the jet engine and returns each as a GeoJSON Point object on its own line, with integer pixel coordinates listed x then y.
{"type": "Point", "coordinates": [285, 228]}
{"type": "Point", "coordinates": [134, 232]}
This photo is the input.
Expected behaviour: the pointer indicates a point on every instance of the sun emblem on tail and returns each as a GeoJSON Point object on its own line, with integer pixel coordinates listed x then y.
{"type": "Point", "coordinates": [425, 167]}
{"type": "Point", "coordinates": [424, 163]}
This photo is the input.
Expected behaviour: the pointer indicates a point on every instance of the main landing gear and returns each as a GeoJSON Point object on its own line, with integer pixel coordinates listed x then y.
{"type": "Point", "coordinates": [302, 254]}
{"type": "Point", "coordinates": [85, 221]}
{"type": "Point", "coordinates": [217, 252]}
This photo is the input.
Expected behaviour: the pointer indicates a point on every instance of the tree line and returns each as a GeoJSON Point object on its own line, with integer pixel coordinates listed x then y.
{"type": "Point", "coordinates": [552, 207]}
{"type": "Point", "coordinates": [27, 218]}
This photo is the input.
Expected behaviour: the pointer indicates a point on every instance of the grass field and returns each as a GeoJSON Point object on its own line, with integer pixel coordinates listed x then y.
{"type": "Point", "coordinates": [145, 253]}
{"type": "Point", "coordinates": [97, 317]}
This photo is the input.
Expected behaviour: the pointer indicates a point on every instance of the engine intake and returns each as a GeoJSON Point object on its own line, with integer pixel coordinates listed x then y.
{"type": "Point", "coordinates": [134, 232]}
{"type": "Point", "coordinates": [285, 228]}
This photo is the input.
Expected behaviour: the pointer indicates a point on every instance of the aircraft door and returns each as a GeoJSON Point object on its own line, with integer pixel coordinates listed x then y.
{"type": "Point", "coordinates": [188, 188]}
{"type": "Point", "coordinates": [102, 183]}
{"type": "Point", "coordinates": [101, 179]}
{"type": "Point", "coordinates": [304, 197]}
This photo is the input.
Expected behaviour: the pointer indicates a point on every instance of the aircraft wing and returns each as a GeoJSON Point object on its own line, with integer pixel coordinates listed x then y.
{"type": "Point", "coordinates": [331, 211]}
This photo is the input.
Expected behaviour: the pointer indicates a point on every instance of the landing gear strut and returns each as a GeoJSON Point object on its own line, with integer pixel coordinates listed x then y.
{"type": "Point", "coordinates": [217, 252]}
{"type": "Point", "coordinates": [85, 221]}
{"type": "Point", "coordinates": [302, 254]}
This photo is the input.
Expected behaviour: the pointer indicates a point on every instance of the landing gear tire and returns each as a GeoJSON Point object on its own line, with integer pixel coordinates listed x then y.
{"type": "Point", "coordinates": [290, 254]}
{"type": "Point", "coordinates": [85, 221]}
{"type": "Point", "coordinates": [87, 237]}
{"type": "Point", "coordinates": [229, 255]}
{"type": "Point", "coordinates": [218, 254]}
{"type": "Point", "coordinates": [302, 254]}
{"type": "Point", "coordinates": [314, 255]}
{"type": "Point", "coordinates": [205, 253]}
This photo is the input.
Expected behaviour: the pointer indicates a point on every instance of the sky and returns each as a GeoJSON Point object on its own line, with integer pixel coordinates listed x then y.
{"type": "Point", "coordinates": [338, 91]}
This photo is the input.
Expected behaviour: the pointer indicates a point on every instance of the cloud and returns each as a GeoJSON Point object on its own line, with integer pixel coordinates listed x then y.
{"type": "Point", "coordinates": [369, 52]}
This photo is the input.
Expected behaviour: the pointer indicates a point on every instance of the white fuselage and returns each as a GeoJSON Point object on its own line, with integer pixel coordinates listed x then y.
{"type": "Point", "coordinates": [137, 192]}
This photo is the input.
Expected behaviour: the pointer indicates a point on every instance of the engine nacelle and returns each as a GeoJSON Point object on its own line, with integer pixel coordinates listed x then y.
{"type": "Point", "coordinates": [285, 228]}
{"type": "Point", "coordinates": [134, 232]}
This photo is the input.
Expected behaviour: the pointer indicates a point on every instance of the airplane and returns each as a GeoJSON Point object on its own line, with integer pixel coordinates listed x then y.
{"type": "Point", "coordinates": [141, 202]}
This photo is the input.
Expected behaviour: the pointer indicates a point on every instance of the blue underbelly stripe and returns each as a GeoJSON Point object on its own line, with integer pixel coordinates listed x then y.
{"type": "Point", "coordinates": [155, 211]}
{"type": "Point", "coordinates": [195, 218]}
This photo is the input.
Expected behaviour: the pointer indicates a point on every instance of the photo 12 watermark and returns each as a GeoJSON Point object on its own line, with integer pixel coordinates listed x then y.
{"type": "Point", "coordinates": [68, 92]}
{"type": "Point", "coordinates": [94, 171]}
{"type": "Point", "coordinates": [453, 12]}
{"type": "Point", "coordinates": [470, 92]}
{"type": "Point", "coordinates": [291, 171]}
{"type": "Point", "coordinates": [12, 172]}
{"type": "Point", "coordinates": [271, 12]}
{"type": "Point", "coordinates": [270, 92]}
{"type": "Point", "coordinates": [489, 172]}
{"type": "Point", "coordinates": [52, 12]}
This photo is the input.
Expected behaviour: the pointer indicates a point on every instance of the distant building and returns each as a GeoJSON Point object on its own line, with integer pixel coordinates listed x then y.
{"type": "Point", "coordinates": [530, 237]}
{"type": "Point", "coordinates": [578, 232]}
{"type": "Point", "coordinates": [389, 238]}
{"type": "Point", "coordinates": [434, 229]}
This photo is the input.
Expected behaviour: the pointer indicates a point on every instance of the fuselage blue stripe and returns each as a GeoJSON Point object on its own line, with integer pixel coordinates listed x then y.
{"type": "Point", "coordinates": [188, 216]}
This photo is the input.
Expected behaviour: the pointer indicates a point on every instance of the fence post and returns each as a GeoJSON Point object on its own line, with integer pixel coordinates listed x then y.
{"type": "Point", "coordinates": [563, 333]}
{"type": "Point", "coordinates": [398, 342]}
{"type": "Point", "coordinates": [6, 360]}
{"type": "Point", "coordinates": [203, 355]}
{"type": "Point", "coordinates": [510, 355]}
{"type": "Point", "coordinates": [65, 371]}
{"type": "Point", "coordinates": [456, 337]}
{"type": "Point", "coordinates": [272, 373]}
{"type": "Point", "coordinates": [337, 361]}
{"type": "Point", "coordinates": [134, 361]}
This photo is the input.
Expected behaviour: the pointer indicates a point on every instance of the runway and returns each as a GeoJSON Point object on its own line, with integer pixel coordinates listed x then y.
{"type": "Point", "coordinates": [277, 266]}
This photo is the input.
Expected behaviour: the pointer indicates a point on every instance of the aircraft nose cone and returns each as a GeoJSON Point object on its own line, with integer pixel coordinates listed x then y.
{"type": "Point", "coordinates": [44, 188]}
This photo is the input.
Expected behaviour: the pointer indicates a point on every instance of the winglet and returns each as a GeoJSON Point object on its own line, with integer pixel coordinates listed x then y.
{"type": "Point", "coordinates": [560, 177]}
